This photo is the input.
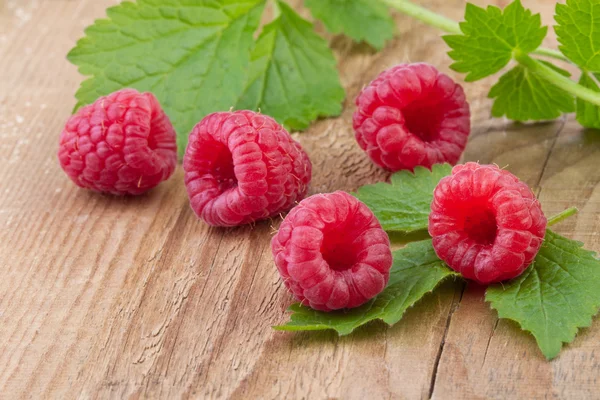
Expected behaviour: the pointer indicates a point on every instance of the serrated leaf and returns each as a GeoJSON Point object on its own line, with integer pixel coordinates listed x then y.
{"type": "Point", "coordinates": [578, 31]}
{"type": "Point", "coordinates": [588, 114]}
{"type": "Point", "coordinates": [362, 20]}
{"type": "Point", "coordinates": [193, 55]}
{"type": "Point", "coordinates": [293, 75]}
{"type": "Point", "coordinates": [404, 204]}
{"type": "Point", "coordinates": [523, 96]}
{"type": "Point", "coordinates": [554, 297]}
{"type": "Point", "coordinates": [416, 271]}
{"type": "Point", "coordinates": [490, 36]}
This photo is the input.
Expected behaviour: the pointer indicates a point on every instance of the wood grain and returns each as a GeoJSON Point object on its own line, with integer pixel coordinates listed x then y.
{"type": "Point", "coordinates": [105, 297]}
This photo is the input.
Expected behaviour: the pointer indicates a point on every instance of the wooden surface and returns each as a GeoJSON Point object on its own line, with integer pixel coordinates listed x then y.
{"type": "Point", "coordinates": [104, 297]}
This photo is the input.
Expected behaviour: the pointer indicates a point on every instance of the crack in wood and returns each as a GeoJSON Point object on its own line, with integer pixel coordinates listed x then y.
{"type": "Point", "coordinates": [490, 340]}
{"type": "Point", "coordinates": [438, 357]}
{"type": "Point", "coordinates": [549, 155]}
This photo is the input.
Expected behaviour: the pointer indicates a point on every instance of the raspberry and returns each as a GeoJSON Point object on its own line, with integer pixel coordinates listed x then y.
{"type": "Point", "coordinates": [241, 167]}
{"type": "Point", "coordinates": [412, 115]}
{"type": "Point", "coordinates": [486, 223]}
{"type": "Point", "coordinates": [121, 144]}
{"type": "Point", "coordinates": [332, 253]}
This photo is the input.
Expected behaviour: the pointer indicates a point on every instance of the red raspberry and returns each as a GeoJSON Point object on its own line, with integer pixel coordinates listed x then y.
{"type": "Point", "coordinates": [486, 223]}
{"type": "Point", "coordinates": [332, 253]}
{"type": "Point", "coordinates": [412, 115]}
{"type": "Point", "coordinates": [122, 144]}
{"type": "Point", "coordinates": [241, 167]}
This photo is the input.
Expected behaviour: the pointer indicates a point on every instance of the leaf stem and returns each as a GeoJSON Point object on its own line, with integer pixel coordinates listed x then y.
{"type": "Point", "coordinates": [423, 14]}
{"type": "Point", "coordinates": [542, 51]}
{"type": "Point", "coordinates": [562, 216]}
{"type": "Point", "coordinates": [558, 79]}
{"type": "Point", "coordinates": [450, 26]}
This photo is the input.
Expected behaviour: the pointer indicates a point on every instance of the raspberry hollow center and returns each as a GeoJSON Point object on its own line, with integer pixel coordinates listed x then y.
{"type": "Point", "coordinates": [480, 225]}
{"type": "Point", "coordinates": [337, 249]}
{"type": "Point", "coordinates": [423, 118]}
{"type": "Point", "coordinates": [152, 140]}
{"type": "Point", "coordinates": [223, 169]}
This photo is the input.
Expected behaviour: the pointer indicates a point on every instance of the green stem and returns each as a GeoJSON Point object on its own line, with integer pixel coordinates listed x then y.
{"type": "Point", "coordinates": [558, 79]}
{"type": "Point", "coordinates": [423, 14]}
{"type": "Point", "coordinates": [450, 26]}
{"type": "Point", "coordinates": [542, 51]}
{"type": "Point", "coordinates": [562, 216]}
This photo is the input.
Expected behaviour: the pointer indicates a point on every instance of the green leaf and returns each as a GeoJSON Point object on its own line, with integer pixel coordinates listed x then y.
{"type": "Point", "coordinates": [588, 114]}
{"type": "Point", "coordinates": [555, 296]}
{"type": "Point", "coordinates": [193, 55]}
{"type": "Point", "coordinates": [416, 271]}
{"type": "Point", "coordinates": [293, 75]}
{"type": "Point", "coordinates": [523, 96]}
{"type": "Point", "coordinates": [491, 36]}
{"type": "Point", "coordinates": [362, 20]}
{"type": "Point", "coordinates": [404, 204]}
{"type": "Point", "coordinates": [578, 31]}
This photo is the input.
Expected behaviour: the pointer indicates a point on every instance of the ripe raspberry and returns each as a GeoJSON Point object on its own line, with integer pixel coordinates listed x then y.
{"type": "Point", "coordinates": [241, 167]}
{"type": "Point", "coordinates": [486, 223]}
{"type": "Point", "coordinates": [332, 253]}
{"type": "Point", "coordinates": [412, 115]}
{"type": "Point", "coordinates": [121, 144]}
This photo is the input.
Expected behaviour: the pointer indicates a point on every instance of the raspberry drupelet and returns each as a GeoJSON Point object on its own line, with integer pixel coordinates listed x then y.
{"type": "Point", "coordinates": [486, 224]}
{"type": "Point", "coordinates": [242, 167]}
{"type": "Point", "coordinates": [121, 144]}
{"type": "Point", "coordinates": [412, 115]}
{"type": "Point", "coordinates": [332, 253]}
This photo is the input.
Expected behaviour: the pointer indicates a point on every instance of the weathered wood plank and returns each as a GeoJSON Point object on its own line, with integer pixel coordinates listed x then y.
{"type": "Point", "coordinates": [108, 297]}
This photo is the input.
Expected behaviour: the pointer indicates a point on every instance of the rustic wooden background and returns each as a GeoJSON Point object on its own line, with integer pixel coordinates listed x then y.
{"type": "Point", "coordinates": [134, 297]}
